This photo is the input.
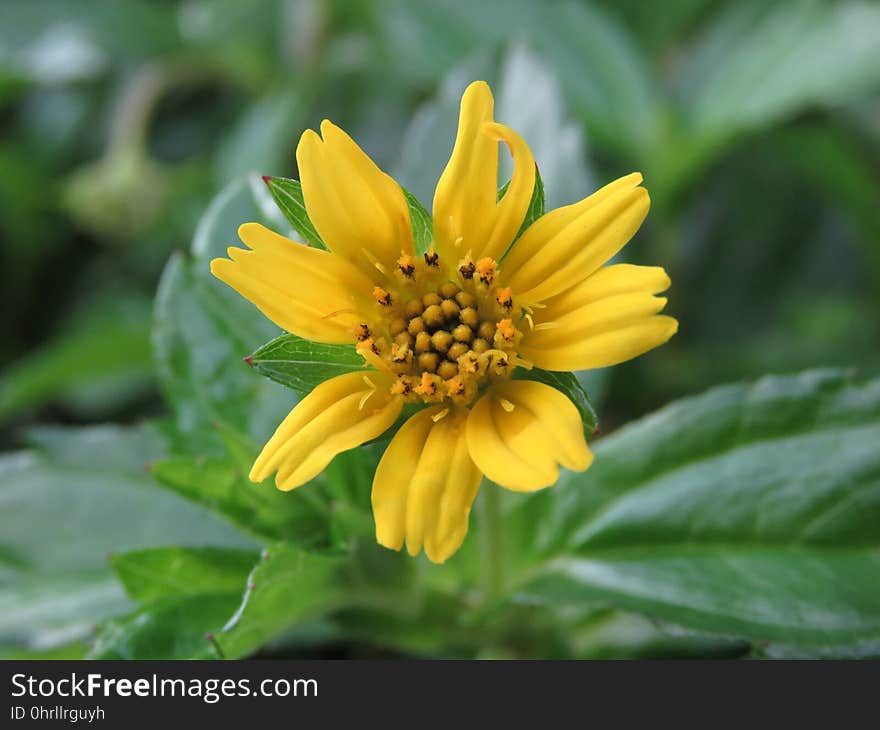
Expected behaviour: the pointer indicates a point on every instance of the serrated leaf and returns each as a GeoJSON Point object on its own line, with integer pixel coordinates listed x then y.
{"type": "Point", "coordinates": [167, 572]}
{"type": "Point", "coordinates": [171, 628]}
{"type": "Point", "coordinates": [287, 587]}
{"type": "Point", "coordinates": [260, 509]}
{"type": "Point", "coordinates": [289, 197]}
{"type": "Point", "coordinates": [749, 511]}
{"type": "Point", "coordinates": [302, 364]}
{"type": "Point", "coordinates": [421, 222]}
{"type": "Point", "coordinates": [567, 384]}
{"type": "Point", "coordinates": [202, 329]}
{"type": "Point", "coordinates": [81, 494]}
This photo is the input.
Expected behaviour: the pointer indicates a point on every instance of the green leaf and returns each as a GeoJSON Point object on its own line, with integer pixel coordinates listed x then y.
{"type": "Point", "coordinates": [302, 364]}
{"type": "Point", "coordinates": [760, 62]}
{"type": "Point", "coordinates": [260, 509]}
{"type": "Point", "coordinates": [421, 222]}
{"type": "Point", "coordinates": [288, 195]}
{"type": "Point", "coordinates": [172, 628]}
{"type": "Point", "coordinates": [188, 594]}
{"type": "Point", "coordinates": [98, 361]}
{"type": "Point", "coordinates": [156, 573]}
{"type": "Point", "coordinates": [261, 139]}
{"type": "Point", "coordinates": [567, 384]}
{"type": "Point", "coordinates": [79, 495]}
{"type": "Point", "coordinates": [750, 511]}
{"type": "Point", "coordinates": [203, 329]}
{"type": "Point", "coordinates": [611, 634]}
{"type": "Point", "coordinates": [287, 587]}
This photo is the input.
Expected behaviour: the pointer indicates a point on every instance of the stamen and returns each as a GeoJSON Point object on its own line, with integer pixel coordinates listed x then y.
{"type": "Point", "coordinates": [520, 362]}
{"type": "Point", "coordinates": [545, 326]}
{"type": "Point", "coordinates": [440, 416]}
{"type": "Point", "coordinates": [373, 260]}
{"type": "Point", "coordinates": [485, 268]}
{"type": "Point", "coordinates": [504, 298]}
{"type": "Point", "coordinates": [401, 386]}
{"type": "Point", "coordinates": [427, 386]}
{"type": "Point", "coordinates": [506, 405]}
{"type": "Point", "coordinates": [457, 242]}
{"type": "Point", "coordinates": [364, 398]}
{"type": "Point", "coordinates": [368, 350]}
{"type": "Point", "coordinates": [382, 296]}
{"type": "Point", "coordinates": [442, 343]}
{"type": "Point", "coordinates": [506, 329]}
{"type": "Point", "coordinates": [406, 265]}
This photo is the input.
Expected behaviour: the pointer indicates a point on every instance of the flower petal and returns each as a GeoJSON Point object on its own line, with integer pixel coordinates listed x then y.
{"type": "Point", "coordinates": [605, 319]}
{"type": "Point", "coordinates": [629, 338]}
{"type": "Point", "coordinates": [359, 211]}
{"type": "Point", "coordinates": [468, 217]}
{"type": "Point", "coordinates": [425, 485]}
{"type": "Point", "coordinates": [606, 282]}
{"type": "Point", "coordinates": [603, 315]}
{"type": "Point", "coordinates": [312, 293]}
{"type": "Point", "coordinates": [511, 209]}
{"type": "Point", "coordinates": [568, 244]}
{"type": "Point", "coordinates": [466, 194]}
{"type": "Point", "coordinates": [338, 415]}
{"type": "Point", "coordinates": [521, 431]}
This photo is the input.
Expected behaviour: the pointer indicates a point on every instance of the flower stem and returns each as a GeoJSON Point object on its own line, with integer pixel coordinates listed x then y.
{"type": "Point", "coordinates": [492, 541]}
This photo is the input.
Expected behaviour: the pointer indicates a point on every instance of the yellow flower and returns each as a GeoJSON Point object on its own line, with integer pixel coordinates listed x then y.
{"type": "Point", "coordinates": [449, 328]}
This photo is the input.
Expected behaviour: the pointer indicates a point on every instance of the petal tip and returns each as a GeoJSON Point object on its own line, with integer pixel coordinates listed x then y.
{"type": "Point", "coordinates": [478, 86]}
{"type": "Point", "coordinates": [249, 231]}
{"type": "Point", "coordinates": [328, 128]}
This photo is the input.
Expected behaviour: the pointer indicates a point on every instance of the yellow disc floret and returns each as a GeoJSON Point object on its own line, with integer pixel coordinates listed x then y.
{"type": "Point", "coordinates": [444, 330]}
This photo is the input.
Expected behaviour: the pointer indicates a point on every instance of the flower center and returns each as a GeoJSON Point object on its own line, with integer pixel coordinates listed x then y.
{"type": "Point", "coordinates": [443, 332]}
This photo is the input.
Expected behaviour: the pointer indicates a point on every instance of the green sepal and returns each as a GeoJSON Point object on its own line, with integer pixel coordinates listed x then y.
{"type": "Point", "coordinates": [288, 196]}
{"type": "Point", "coordinates": [302, 364]}
{"type": "Point", "coordinates": [421, 222]}
{"type": "Point", "coordinates": [536, 205]}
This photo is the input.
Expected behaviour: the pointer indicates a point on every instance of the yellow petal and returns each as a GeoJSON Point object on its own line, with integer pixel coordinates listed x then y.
{"type": "Point", "coordinates": [522, 447]}
{"type": "Point", "coordinates": [464, 200]}
{"type": "Point", "coordinates": [568, 244]}
{"type": "Point", "coordinates": [359, 211]}
{"type": "Point", "coordinates": [592, 319]}
{"type": "Point", "coordinates": [610, 347]}
{"type": "Point", "coordinates": [606, 282]}
{"type": "Point", "coordinates": [468, 218]}
{"type": "Point", "coordinates": [425, 485]}
{"type": "Point", "coordinates": [511, 209]}
{"type": "Point", "coordinates": [312, 293]}
{"type": "Point", "coordinates": [333, 418]}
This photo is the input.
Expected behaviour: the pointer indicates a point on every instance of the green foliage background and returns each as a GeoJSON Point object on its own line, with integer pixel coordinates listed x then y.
{"type": "Point", "coordinates": [718, 520]}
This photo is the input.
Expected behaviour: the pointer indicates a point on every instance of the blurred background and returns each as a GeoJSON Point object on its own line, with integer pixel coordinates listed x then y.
{"type": "Point", "coordinates": [757, 127]}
